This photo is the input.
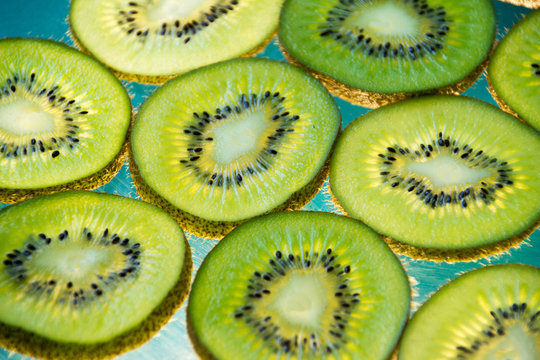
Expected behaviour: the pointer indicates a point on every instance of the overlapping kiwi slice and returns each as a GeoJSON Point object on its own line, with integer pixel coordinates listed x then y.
{"type": "Point", "coordinates": [373, 52]}
{"type": "Point", "coordinates": [514, 70]}
{"type": "Point", "coordinates": [154, 40]}
{"type": "Point", "coordinates": [443, 177]}
{"type": "Point", "coordinates": [298, 285]}
{"type": "Point", "coordinates": [88, 275]}
{"type": "Point", "coordinates": [231, 141]}
{"type": "Point", "coordinates": [490, 313]}
{"type": "Point", "coordinates": [63, 120]}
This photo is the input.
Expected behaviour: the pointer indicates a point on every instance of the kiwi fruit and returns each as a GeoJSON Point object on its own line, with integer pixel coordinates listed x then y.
{"type": "Point", "coordinates": [87, 275]}
{"type": "Point", "coordinates": [489, 313]}
{"type": "Point", "coordinates": [152, 41]}
{"type": "Point", "coordinates": [514, 70]}
{"type": "Point", "coordinates": [298, 285]}
{"type": "Point", "coordinates": [441, 177]}
{"type": "Point", "coordinates": [64, 120]}
{"type": "Point", "coordinates": [375, 52]}
{"type": "Point", "coordinates": [237, 139]}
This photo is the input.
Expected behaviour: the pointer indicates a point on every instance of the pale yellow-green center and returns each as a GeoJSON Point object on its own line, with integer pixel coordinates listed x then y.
{"type": "Point", "coordinates": [445, 170]}
{"type": "Point", "coordinates": [302, 300]}
{"type": "Point", "coordinates": [167, 10]}
{"type": "Point", "coordinates": [24, 117]}
{"type": "Point", "coordinates": [517, 344]}
{"type": "Point", "coordinates": [239, 137]}
{"type": "Point", "coordinates": [384, 18]}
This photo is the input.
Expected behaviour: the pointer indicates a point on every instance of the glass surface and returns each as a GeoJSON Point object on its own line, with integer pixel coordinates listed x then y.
{"type": "Point", "coordinates": [48, 19]}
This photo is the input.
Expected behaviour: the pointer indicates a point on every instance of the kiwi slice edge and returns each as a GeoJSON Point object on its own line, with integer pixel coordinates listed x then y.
{"type": "Point", "coordinates": [287, 231]}
{"type": "Point", "coordinates": [438, 250]}
{"type": "Point", "coordinates": [482, 304]}
{"type": "Point", "coordinates": [18, 339]}
{"type": "Point", "coordinates": [532, 4]}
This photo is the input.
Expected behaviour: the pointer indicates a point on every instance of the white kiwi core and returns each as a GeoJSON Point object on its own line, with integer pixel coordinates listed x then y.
{"type": "Point", "coordinates": [239, 137]}
{"type": "Point", "coordinates": [24, 117]}
{"type": "Point", "coordinates": [445, 170]}
{"type": "Point", "coordinates": [166, 10]}
{"type": "Point", "coordinates": [385, 19]}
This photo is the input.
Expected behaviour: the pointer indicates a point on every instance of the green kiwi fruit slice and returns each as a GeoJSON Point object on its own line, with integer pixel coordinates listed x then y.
{"type": "Point", "coordinates": [153, 40]}
{"type": "Point", "coordinates": [298, 285]}
{"type": "Point", "coordinates": [489, 313]}
{"type": "Point", "coordinates": [442, 177]}
{"type": "Point", "coordinates": [236, 139]}
{"type": "Point", "coordinates": [374, 52]}
{"type": "Point", "coordinates": [64, 120]}
{"type": "Point", "coordinates": [514, 70]}
{"type": "Point", "coordinates": [86, 275]}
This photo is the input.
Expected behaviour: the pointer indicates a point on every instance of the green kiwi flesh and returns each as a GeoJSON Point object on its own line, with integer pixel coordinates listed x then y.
{"type": "Point", "coordinates": [88, 275]}
{"type": "Point", "coordinates": [389, 48]}
{"type": "Point", "coordinates": [236, 139]}
{"type": "Point", "coordinates": [489, 313]}
{"type": "Point", "coordinates": [444, 177]}
{"type": "Point", "coordinates": [151, 41]}
{"type": "Point", "coordinates": [298, 285]}
{"type": "Point", "coordinates": [64, 119]}
{"type": "Point", "coordinates": [514, 70]}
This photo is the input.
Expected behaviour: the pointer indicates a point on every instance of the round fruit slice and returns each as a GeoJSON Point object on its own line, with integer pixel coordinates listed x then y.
{"type": "Point", "coordinates": [514, 70]}
{"type": "Point", "coordinates": [373, 52]}
{"type": "Point", "coordinates": [299, 285]}
{"type": "Point", "coordinates": [446, 177]}
{"type": "Point", "coordinates": [63, 120]}
{"type": "Point", "coordinates": [88, 275]}
{"type": "Point", "coordinates": [236, 139]}
{"type": "Point", "coordinates": [490, 313]}
{"type": "Point", "coordinates": [154, 40]}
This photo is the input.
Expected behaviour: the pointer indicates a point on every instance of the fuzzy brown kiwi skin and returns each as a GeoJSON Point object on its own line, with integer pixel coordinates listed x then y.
{"type": "Point", "coordinates": [90, 182]}
{"type": "Point", "coordinates": [218, 229]}
{"type": "Point", "coordinates": [450, 255]}
{"type": "Point", "coordinates": [156, 79]}
{"type": "Point", "coordinates": [531, 4]}
{"type": "Point", "coordinates": [373, 100]}
{"type": "Point", "coordinates": [19, 340]}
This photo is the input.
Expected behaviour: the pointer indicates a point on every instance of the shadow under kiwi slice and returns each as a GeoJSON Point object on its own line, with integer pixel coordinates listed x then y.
{"type": "Point", "coordinates": [299, 285]}
{"type": "Point", "coordinates": [232, 141]}
{"type": "Point", "coordinates": [441, 177]}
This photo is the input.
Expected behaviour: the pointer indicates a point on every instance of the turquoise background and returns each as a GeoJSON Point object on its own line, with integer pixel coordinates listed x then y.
{"type": "Point", "coordinates": [48, 19]}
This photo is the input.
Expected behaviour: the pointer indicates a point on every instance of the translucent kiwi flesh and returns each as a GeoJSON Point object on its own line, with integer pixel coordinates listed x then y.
{"type": "Point", "coordinates": [91, 272]}
{"type": "Point", "coordinates": [308, 285]}
{"type": "Point", "coordinates": [496, 316]}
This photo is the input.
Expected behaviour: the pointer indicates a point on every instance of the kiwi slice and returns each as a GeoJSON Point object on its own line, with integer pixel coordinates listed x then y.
{"type": "Point", "coordinates": [489, 313]}
{"type": "Point", "coordinates": [443, 177]}
{"type": "Point", "coordinates": [153, 40]}
{"type": "Point", "coordinates": [64, 120]}
{"type": "Point", "coordinates": [299, 285]}
{"type": "Point", "coordinates": [236, 139]}
{"type": "Point", "coordinates": [374, 52]}
{"type": "Point", "coordinates": [514, 70]}
{"type": "Point", "coordinates": [88, 275]}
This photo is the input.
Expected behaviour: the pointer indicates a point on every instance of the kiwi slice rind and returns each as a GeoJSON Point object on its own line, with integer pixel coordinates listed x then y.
{"type": "Point", "coordinates": [299, 285]}
{"type": "Point", "coordinates": [365, 60]}
{"type": "Point", "coordinates": [154, 41]}
{"type": "Point", "coordinates": [533, 4]}
{"type": "Point", "coordinates": [259, 143]}
{"type": "Point", "coordinates": [492, 312]}
{"type": "Point", "coordinates": [456, 181]}
{"type": "Point", "coordinates": [129, 271]}
{"type": "Point", "coordinates": [514, 71]}
{"type": "Point", "coordinates": [64, 120]}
